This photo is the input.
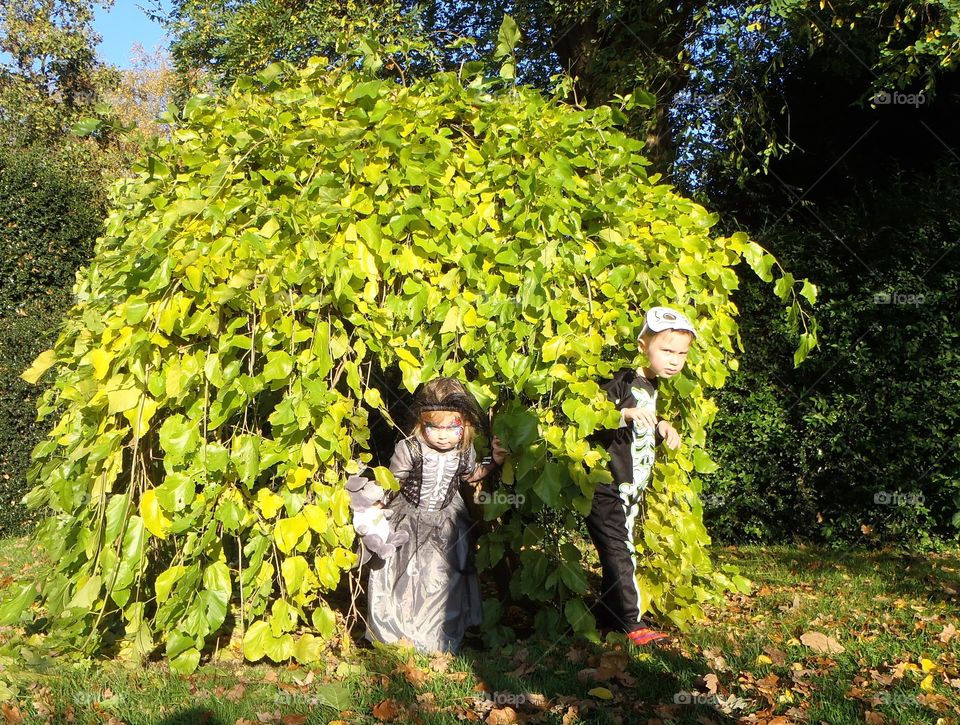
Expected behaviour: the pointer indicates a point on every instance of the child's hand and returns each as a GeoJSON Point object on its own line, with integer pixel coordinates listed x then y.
{"type": "Point", "coordinates": [497, 452]}
{"type": "Point", "coordinates": [646, 417]}
{"type": "Point", "coordinates": [669, 435]}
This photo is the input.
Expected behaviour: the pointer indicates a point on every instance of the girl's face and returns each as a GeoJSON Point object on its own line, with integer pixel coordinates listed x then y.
{"type": "Point", "coordinates": [442, 430]}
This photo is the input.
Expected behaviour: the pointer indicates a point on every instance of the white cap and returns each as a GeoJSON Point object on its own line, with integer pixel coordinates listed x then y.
{"type": "Point", "coordinates": [659, 319]}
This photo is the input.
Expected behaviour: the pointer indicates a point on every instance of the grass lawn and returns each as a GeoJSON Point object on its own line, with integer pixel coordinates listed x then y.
{"type": "Point", "coordinates": [825, 636]}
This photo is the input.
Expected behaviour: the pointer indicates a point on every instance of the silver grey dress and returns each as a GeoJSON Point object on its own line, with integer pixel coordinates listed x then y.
{"type": "Point", "coordinates": [427, 592]}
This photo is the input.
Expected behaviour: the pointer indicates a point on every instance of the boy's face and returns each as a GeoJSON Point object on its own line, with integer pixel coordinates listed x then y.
{"type": "Point", "coordinates": [666, 352]}
{"type": "Point", "coordinates": [442, 430]}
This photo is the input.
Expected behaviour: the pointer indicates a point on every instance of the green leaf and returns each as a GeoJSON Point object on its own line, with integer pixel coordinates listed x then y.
{"type": "Point", "coordinates": [549, 485]}
{"type": "Point", "coordinates": [294, 570]}
{"type": "Point", "coordinates": [165, 581]}
{"type": "Point", "coordinates": [245, 455]}
{"type": "Point", "coordinates": [186, 662]}
{"type": "Point", "coordinates": [279, 365]}
{"type": "Point", "coordinates": [256, 640]}
{"type": "Point", "coordinates": [324, 621]}
{"type": "Point", "coordinates": [16, 606]}
{"type": "Point", "coordinates": [508, 36]}
{"type": "Point", "coordinates": [87, 594]}
{"type": "Point", "coordinates": [178, 438]}
{"type": "Point", "coordinates": [85, 126]}
{"type": "Point", "coordinates": [41, 364]}
{"type": "Point", "coordinates": [579, 617]}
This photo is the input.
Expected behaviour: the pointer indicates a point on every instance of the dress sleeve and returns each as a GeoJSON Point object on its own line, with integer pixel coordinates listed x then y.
{"type": "Point", "coordinates": [401, 462]}
{"type": "Point", "coordinates": [470, 462]}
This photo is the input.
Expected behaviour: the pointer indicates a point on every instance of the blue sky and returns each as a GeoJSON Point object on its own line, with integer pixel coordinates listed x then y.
{"type": "Point", "coordinates": [123, 25]}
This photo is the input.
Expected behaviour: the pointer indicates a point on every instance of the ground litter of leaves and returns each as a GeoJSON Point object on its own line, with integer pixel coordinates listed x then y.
{"type": "Point", "coordinates": [823, 637]}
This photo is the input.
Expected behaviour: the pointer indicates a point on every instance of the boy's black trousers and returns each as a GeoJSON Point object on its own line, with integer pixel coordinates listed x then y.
{"type": "Point", "coordinates": [619, 604]}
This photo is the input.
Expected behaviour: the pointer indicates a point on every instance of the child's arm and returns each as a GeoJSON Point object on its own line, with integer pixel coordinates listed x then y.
{"type": "Point", "coordinates": [646, 417]}
{"type": "Point", "coordinates": [669, 434]}
{"type": "Point", "coordinates": [498, 453]}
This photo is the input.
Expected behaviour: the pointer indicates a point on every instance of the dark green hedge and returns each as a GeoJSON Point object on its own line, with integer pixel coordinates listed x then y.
{"type": "Point", "coordinates": [862, 442]}
{"type": "Point", "coordinates": [50, 215]}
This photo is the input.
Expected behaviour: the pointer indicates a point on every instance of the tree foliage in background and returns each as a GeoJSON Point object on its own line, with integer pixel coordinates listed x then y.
{"type": "Point", "coordinates": [710, 76]}
{"type": "Point", "coordinates": [288, 247]}
{"type": "Point", "coordinates": [49, 74]}
{"type": "Point", "coordinates": [217, 41]}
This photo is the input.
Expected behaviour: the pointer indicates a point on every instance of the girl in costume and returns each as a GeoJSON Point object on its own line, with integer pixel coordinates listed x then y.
{"type": "Point", "coordinates": [426, 591]}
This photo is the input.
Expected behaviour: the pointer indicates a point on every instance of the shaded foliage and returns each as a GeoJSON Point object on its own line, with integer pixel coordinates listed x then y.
{"type": "Point", "coordinates": [50, 218]}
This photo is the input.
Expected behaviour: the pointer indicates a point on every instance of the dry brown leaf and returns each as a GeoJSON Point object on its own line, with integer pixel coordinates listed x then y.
{"type": "Point", "coordinates": [934, 701]}
{"type": "Point", "coordinates": [427, 701]}
{"type": "Point", "coordinates": [819, 642]}
{"type": "Point", "coordinates": [871, 717]}
{"type": "Point", "coordinates": [948, 633]}
{"type": "Point", "coordinates": [414, 674]}
{"type": "Point", "coordinates": [536, 700]}
{"type": "Point", "coordinates": [11, 713]}
{"type": "Point", "coordinates": [236, 693]}
{"type": "Point", "coordinates": [776, 656]}
{"type": "Point", "coordinates": [386, 710]}
{"type": "Point", "coordinates": [441, 662]}
{"type": "Point", "coordinates": [571, 716]}
{"type": "Point", "coordinates": [711, 681]}
{"type": "Point", "coordinates": [294, 719]}
{"type": "Point", "coordinates": [502, 716]}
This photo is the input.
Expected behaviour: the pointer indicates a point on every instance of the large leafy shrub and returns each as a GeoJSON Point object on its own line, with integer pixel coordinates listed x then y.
{"type": "Point", "coordinates": [294, 243]}
{"type": "Point", "coordinates": [49, 218]}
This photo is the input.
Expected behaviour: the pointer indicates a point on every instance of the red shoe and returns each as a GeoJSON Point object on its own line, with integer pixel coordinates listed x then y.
{"type": "Point", "coordinates": [644, 636]}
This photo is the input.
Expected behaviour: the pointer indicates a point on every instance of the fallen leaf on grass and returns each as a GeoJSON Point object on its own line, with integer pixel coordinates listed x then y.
{"type": "Point", "coordinates": [427, 702]}
{"type": "Point", "coordinates": [502, 716]}
{"type": "Point", "coordinates": [11, 713]}
{"type": "Point", "coordinates": [776, 656]}
{"type": "Point", "coordinates": [571, 716]}
{"type": "Point", "coordinates": [294, 719]}
{"type": "Point", "coordinates": [871, 717]}
{"type": "Point", "coordinates": [601, 693]}
{"type": "Point", "coordinates": [819, 642]}
{"type": "Point", "coordinates": [414, 674]}
{"type": "Point", "coordinates": [948, 633]}
{"type": "Point", "coordinates": [934, 701]}
{"type": "Point", "coordinates": [236, 693]}
{"type": "Point", "coordinates": [441, 662]}
{"type": "Point", "coordinates": [386, 710]}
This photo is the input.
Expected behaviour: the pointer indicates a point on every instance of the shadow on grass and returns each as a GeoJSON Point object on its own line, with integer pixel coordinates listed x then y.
{"type": "Point", "coordinates": [546, 679]}
{"type": "Point", "coordinates": [935, 576]}
{"type": "Point", "coordinates": [607, 683]}
{"type": "Point", "coordinates": [192, 716]}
